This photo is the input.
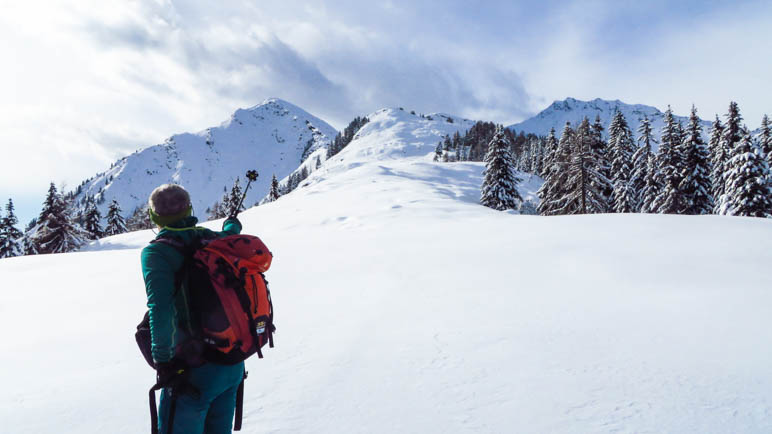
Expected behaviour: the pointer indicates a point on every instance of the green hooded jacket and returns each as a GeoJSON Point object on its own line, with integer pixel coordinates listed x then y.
{"type": "Point", "coordinates": [160, 262]}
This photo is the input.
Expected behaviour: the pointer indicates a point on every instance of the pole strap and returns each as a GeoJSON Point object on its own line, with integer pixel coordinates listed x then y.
{"type": "Point", "coordinates": [239, 405]}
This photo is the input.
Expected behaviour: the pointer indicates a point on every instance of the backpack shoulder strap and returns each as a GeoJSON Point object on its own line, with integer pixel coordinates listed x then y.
{"type": "Point", "coordinates": [177, 244]}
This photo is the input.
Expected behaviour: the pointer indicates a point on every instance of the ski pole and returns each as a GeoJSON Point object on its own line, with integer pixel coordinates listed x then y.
{"type": "Point", "coordinates": [251, 176]}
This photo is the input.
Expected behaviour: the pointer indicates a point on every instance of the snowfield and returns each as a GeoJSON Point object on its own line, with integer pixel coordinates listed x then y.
{"type": "Point", "coordinates": [404, 306]}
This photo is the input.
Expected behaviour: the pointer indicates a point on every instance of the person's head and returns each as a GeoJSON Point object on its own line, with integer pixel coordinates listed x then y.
{"type": "Point", "coordinates": [169, 203]}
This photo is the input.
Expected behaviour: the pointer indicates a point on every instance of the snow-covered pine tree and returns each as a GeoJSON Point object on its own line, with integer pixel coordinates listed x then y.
{"type": "Point", "coordinates": [10, 235]}
{"type": "Point", "coordinates": [55, 231]}
{"type": "Point", "coordinates": [140, 219]}
{"type": "Point", "coordinates": [92, 218]}
{"type": "Point", "coordinates": [614, 131]}
{"type": "Point", "coordinates": [652, 186]}
{"type": "Point", "coordinates": [115, 223]}
{"type": "Point", "coordinates": [584, 188]}
{"type": "Point", "coordinates": [438, 152]}
{"type": "Point", "coordinates": [602, 159]}
{"type": "Point", "coordinates": [523, 162]}
{"type": "Point", "coordinates": [499, 189]}
{"type": "Point", "coordinates": [550, 149]}
{"type": "Point", "coordinates": [215, 211]}
{"type": "Point", "coordinates": [274, 194]}
{"type": "Point", "coordinates": [234, 198]}
{"type": "Point", "coordinates": [730, 137]}
{"type": "Point", "coordinates": [718, 159]}
{"type": "Point", "coordinates": [457, 146]}
{"type": "Point", "coordinates": [552, 192]}
{"type": "Point", "coordinates": [3, 237]}
{"type": "Point", "coordinates": [747, 181]}
{"type": "Point", "coordinates": [695, 175]}
{"type": "Point", "coordinates": [764, 139]}
{"type": "Point", "coordinates": [446, 145]}
{"type": "Point", "coordinates": [622, 146]}
{"type": "Point", "coordinates": [537, 156]}
{"type": "Point", "coordinates": [641, 163]}
{"type": "Point", "coordinates": [670, 199]}
{"type": "Point", "coordinates": [318, 163]}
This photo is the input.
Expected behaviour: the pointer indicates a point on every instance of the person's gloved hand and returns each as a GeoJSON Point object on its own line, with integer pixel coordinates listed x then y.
{"type": "Point", "coordinates": [169, 373]}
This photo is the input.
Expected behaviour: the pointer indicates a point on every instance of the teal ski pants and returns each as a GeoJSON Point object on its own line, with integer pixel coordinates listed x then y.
{"type": "Point", "coordinates": [212, 411]}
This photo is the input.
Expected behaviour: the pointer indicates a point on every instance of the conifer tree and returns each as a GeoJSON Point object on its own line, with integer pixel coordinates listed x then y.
{"type": "Point", "coordinates": [622, 146]}
{"type": "Point", "coordinates": [747, 181]}
{"type": "Point", "coordinates": [92, 219]}
{"type": "Point", "coordinates": [438, 151]}
{"type": "Point", "coordinates": [318, 161]}
{"type": "Point", "coordinates": [115, 223]}
{"type": "Point", "coordinates": [140, 219]}
{"type": "Point", "coordinates": [718, 163]}
{"type": "Point", "coordinates": [537, 156]}
{"type": "Point", "coordinates": [499, 189]}
{"type": "Point", "coordinates": [585, 184]}
{"type": "Point", "coordinates": [765, 139]}
{"type": "Point", "coordinates": [10, 235]}
{"type": "Point", "coordinates": [274, 194]}
{"type": "Point", "coordinates": [230, 201]}
{"type": "Point", "coordinates": [695, 176]}
{"type": "Point", "coordinates": [601, 158]}
{"type": "Point", "coordinates": [730, 137]}
{"type": "Point", "coordinates": [670, 200]}
{"type": "Point", "coordinates": [652, 187]}
{"type": "Point", "coordinates": [55, 231]}
{"type": "Point", "coordinates": [641, 163]}
{"type": "Point", "coordinates": [524, 160]}
{"type": "Point", "coordinates": [216, 211]}
{"type": "Point", "coordinates": [3, 236]}
{"type": "Point", "coordinates": [552, 192]}
{"type": "Point", "coordinates": [550, 149]}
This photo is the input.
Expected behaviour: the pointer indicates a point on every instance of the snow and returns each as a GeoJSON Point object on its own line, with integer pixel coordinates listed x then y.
{"type": "Point", "coordinates": [402, 305]}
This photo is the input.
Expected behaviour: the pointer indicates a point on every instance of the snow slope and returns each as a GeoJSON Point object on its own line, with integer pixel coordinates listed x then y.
{"type": "Point", "coordinates": [273, 137]}
{"type": "Point", "coordinates": [574, 110]}
{"type": "Point", "coordinates": [403, 306]}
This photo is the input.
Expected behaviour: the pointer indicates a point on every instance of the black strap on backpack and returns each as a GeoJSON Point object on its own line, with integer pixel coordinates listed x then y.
{"type": "Point", "coordinates": [239, 404]}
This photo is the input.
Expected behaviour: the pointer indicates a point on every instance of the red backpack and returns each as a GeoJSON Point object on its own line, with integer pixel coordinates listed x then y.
{"type": "Point", "coordinates": [227, 299]}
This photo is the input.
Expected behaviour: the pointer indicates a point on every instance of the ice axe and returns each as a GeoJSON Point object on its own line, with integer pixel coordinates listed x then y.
{"type": "Point", "coordinates": [251, 176]}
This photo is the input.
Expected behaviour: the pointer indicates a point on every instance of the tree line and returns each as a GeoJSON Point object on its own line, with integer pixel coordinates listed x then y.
{"type": "Point", "coordinates": [61, 226]}
{"type": "Point", "coordinates": [585, 173]}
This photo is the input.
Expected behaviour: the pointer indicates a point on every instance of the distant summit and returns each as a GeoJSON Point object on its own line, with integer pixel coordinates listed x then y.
{"type": "Point", "coordinates": [574, 110]}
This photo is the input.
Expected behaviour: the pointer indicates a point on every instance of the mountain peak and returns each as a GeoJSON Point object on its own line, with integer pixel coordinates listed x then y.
{"type": "Point", "coordinates": [574, 110]}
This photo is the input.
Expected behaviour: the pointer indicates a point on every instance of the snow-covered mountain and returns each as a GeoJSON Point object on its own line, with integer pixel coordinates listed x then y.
{"type": "Point", "coordinates": [273, 137]}
{"type": "Point", "coordinates": [390, 134]}
{"type": "Point", "coordinates": [574, 110]}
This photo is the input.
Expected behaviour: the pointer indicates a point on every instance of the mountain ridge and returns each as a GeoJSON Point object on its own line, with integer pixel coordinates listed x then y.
{"type": "Point", "coordinates": [273, 137]}
{"type": "Point", "coordinates": [574, 110]}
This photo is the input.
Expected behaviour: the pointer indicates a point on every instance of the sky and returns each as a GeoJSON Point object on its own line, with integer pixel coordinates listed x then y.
{"type": "Point", "coordinates": [84, 82]}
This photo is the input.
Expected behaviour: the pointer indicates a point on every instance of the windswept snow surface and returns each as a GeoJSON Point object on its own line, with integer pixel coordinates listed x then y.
{"type": "Point", "coordinates": [403, 306]}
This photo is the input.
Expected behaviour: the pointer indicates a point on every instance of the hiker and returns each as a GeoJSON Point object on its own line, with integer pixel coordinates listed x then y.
{"type": "Point", "coordinates": [198, 399]}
